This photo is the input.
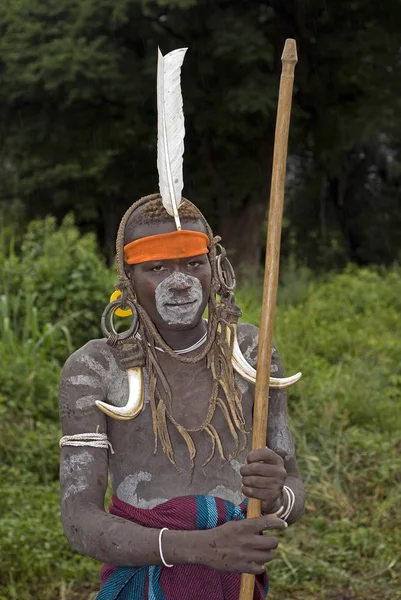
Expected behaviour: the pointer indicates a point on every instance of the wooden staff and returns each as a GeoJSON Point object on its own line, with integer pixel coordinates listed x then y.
{"type": "Point", "coordinates": [261, 406]}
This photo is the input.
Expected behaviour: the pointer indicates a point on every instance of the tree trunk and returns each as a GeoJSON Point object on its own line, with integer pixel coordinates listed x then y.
{"type": "Point", "coordinates": [342, 192]}
{"type": "Point", "coordinates": [241, 227]}
{"type": "Point", "coordinates": [242, 236]}
{"type": "Point", "coordinates": [110, 226]}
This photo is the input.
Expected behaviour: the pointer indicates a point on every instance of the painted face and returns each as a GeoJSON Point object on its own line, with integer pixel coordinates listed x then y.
{"type": "Point", "coordinates": [173, 292]}
{"type": "Point", "coordinates": [179, 298]}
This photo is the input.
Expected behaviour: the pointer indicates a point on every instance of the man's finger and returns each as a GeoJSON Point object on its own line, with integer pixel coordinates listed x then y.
{"type": "Point", "coordinates": [261, 469]}
{"type": "Point", "coordinates": [261, 524]}
{"type": "Point", "coordinates": [254, 493]}
{"type": "Point", "coordinates": [261, 483]}
{"type": "Point", "coordinates": [256, 569]}
{"type": "Point", "coordinates": [264, 455]}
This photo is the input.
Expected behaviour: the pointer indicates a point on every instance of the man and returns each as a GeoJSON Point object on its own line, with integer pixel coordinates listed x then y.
{"type": "Point", "coordinates": [179, 454]}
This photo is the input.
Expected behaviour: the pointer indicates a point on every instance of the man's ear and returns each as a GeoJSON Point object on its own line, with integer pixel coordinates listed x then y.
{"type": "Point", "coordinates": [129, 271]}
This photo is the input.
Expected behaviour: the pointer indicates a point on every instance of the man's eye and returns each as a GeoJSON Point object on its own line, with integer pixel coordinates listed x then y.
{"type": "Point", "coordinates": [194, 263]}
{"type": "Point", "coordinates": [158, 268]}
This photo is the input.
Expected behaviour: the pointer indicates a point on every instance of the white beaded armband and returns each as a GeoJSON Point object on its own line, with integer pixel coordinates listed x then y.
{"type": "Point", "coordinates": [95, 440]}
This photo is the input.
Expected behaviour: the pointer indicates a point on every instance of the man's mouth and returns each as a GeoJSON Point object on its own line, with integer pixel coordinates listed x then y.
{"type": "Point", "coordinates": [187, 303]}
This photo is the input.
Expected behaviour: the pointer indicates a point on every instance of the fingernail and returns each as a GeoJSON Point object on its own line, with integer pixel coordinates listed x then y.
{"type": "Point", "coordinates": [285, 524]}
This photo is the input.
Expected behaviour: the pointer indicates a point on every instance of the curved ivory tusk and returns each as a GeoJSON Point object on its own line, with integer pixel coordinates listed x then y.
{"type": "Point", "coordinates": [135, 399]}
{"type": "Point", "coordinates": [247, 372]}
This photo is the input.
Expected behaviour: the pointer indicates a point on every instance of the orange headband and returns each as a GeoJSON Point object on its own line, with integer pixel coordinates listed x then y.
{"type": "Point", "coordinates": [165, 246]}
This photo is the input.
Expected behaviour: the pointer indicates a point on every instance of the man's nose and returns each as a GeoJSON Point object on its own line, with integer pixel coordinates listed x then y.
{"type": "Point", "coordinates": [179, 282]}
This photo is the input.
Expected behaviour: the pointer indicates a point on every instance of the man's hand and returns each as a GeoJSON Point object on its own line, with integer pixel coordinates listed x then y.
{"type": "Point", "coordinates": [239, 546]}
{"type": "Point", "coordinates": [263, 477]}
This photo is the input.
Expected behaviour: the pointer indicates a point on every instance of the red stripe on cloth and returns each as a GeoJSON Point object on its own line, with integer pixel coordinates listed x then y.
{"type": "Point", "coordinates": [178, 513]}
{"type": "Point", "coordinates": [221, 512]}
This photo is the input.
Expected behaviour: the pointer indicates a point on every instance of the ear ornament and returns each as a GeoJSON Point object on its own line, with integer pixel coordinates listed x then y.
{"type": "Point", "coordinates": [120, 312]}
{"type": "Point", "coordinates": [108, 321]}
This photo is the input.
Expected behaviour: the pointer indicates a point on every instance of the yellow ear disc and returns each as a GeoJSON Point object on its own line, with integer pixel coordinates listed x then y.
{"type": "Point", "coordinates": [120, 312]}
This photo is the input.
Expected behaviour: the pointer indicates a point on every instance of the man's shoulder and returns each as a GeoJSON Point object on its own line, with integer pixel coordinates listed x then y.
{"type": "Point", "coordinates": [87, 376]}
{"type": "Point", "coordinates": [95, 352]}
{"type": "Point", "coordinates": [248, 332]}
{"type": "Point", "coordinates": [248, 339]}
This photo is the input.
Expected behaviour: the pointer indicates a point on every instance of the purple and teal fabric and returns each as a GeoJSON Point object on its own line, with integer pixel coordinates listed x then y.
{"type": "Point", "coordinates": [181, 582]}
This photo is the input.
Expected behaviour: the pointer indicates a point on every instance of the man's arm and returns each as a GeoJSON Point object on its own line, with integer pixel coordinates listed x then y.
{"type": "Point", "coordinates": [89, 529]}
{"type": "Point", "coordinates": [269, 469]}
{"type": "Point", "coordinates": [279, 439]}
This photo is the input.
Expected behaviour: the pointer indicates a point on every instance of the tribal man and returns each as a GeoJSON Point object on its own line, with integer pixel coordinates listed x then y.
{"type": "Point", "coordinates": [165, 409]}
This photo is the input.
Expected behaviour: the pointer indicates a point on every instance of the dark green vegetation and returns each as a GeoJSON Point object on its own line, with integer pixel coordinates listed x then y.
{"type": "Point", "coordinates": [342, 333]}
{"type": "Point", "coordinates": [78, 120]}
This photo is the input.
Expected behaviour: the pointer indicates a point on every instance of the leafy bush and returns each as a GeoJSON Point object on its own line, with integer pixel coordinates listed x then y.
{"type": "Point", "coordinates": [63, 274]}
{"type": "Point", "coordinates": [29, 371]}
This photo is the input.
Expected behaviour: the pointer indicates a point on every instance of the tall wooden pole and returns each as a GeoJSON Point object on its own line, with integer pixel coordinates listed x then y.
{"type": "Point", "coordinates": [261, 405]}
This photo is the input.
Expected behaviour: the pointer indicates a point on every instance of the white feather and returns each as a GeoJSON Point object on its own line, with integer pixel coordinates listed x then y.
{"type": "Point", "coordinates": [171, 130]}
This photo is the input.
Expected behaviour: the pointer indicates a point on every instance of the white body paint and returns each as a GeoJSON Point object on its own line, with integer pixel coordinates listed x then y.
{"type": "Point", "coordinates": [86, 401]}
{"type": "Point", "coordinates": [73, 470]}
{"type": "Point", "coordinates": [93, 365]}
{"type": "Point", "coordinates": [83, 380]}
{"type": "Point", "coordinates": [178, 299]}
{"type": "Point", "coordinates": [126, 491]}
{"type": "Point", "coordinates": [221, 491]}
{"type": "Point", "coordinates": [236, 466]}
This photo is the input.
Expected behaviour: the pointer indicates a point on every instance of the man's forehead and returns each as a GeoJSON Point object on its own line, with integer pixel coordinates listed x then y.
{"type": "Point", "coordinates": [142, 230]}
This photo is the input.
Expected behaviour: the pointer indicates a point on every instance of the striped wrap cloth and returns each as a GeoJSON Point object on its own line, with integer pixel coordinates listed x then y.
{"type": "Point", "coordinates": [181, 582]}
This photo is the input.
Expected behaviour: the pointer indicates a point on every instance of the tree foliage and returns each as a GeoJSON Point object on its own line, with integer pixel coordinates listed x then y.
{"type": "Point", "coordinates": [78, 116]}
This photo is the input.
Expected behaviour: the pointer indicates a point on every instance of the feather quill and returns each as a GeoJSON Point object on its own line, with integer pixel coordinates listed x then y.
{"type": "Point", "coordinates": [171, 130]}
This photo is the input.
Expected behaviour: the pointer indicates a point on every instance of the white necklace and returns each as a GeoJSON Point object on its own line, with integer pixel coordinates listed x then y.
{"type": "Point", "coordinates": [195, 346]}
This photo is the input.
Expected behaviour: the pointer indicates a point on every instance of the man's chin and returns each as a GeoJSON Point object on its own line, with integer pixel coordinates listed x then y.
{"type": "Point", "coordinates": [176, 325]}
{"type": "Point", "coordinates": [180, 326]}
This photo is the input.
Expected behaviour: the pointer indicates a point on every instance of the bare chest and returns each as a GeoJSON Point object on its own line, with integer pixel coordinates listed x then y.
{"type": "Point", "coordinates": [140, 470]}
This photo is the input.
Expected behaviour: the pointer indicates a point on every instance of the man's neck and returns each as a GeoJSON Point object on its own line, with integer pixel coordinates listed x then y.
{"type": "Point", "coordinates": [180, 339]}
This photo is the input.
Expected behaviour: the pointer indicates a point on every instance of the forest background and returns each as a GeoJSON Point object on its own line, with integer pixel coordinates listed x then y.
{"type": "Point", "coordinates": [78, 143]}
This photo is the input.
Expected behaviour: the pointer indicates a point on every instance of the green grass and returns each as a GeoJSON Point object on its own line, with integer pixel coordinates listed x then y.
{"type": "Point", "coordinates": [343, 334]}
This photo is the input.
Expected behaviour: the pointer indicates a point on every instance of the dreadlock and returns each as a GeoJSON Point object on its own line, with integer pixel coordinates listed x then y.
{"type": "Point", "coordinates": [222, 319]}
